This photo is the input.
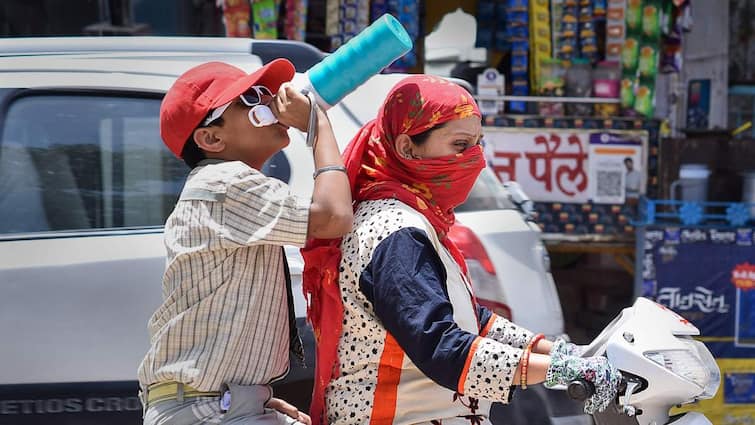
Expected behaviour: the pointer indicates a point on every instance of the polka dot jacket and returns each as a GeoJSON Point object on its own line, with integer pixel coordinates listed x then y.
{"type": "Point", "coordinates": [415, 347]}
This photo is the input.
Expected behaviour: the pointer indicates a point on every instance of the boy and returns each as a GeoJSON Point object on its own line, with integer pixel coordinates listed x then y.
{"type": "Point", "coordinates": [223, 332]}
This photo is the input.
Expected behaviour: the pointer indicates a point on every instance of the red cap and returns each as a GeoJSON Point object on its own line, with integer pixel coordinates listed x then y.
{"type": "Point", "coordinates": [205, 87]}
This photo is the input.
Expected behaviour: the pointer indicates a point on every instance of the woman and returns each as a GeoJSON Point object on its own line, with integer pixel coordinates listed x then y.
{"type": "Point", "coordinates": [401, 338]}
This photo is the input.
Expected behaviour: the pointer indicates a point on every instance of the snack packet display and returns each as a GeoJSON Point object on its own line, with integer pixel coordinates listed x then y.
{"type": "Point", "coordinates": [630, 53]}
{"type": "Point", "coordinates": [236, 15]}
{"type": "Point", "coordinates": [644, 102]}
{"type": "Point", "coordinates": [296, 20]}
{"type": "Point", "coordinates": [354, 18]}
{"type": "Point", "coordinates": [579, 84]}
{"type": "Point", "coordinates": [634, 15]}
{"type": "Point", "coordinates": [651, 21]}
{"type": "Point", "coordinates": [671, 40]}
{"type": "Point", "coordinates": [540, 39]}
{"type": "Point", "coordinates": [615, 29]}
{"type": "Point", "coordinates": [627, 91]}
{"type": "Point", "coordinates": [647, 63]}
{"type": "Point", "coordinates": [518, 35]}
{"type": "Point", "coordinates": [486, 23]}
{"type": "Point", "coordinates": [552, 83]}
{"type": "Point", "coordinates": [587, 38]}
{"type": "Point", "coordinates": [606, 83]}
{"type": "Point", "coordinates": [599, 7]}
{"type": "Point", "coordinates": [407, 12]}
{"type": "Point", "coordinates": [332, 12]}
{"type": "Point", "coordinates": [265, 19]}
{"type": "Point", "coordinates": [556, 7]}
{"type": "Point", "coordinates": [640, 55]}
{"type": "Point", "coordinates": [567, 43]}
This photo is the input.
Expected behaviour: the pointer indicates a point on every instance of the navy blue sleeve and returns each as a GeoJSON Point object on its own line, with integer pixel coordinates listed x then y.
{"type": "Point", "coordinates": [406, 284]}
{"type": "Point", "coordinates": [483, 315]}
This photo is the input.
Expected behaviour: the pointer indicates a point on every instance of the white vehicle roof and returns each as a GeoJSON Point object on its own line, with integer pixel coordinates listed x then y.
{"type": "Point", "coordinates": [112, 63]}
{"type": "Point", "coordinates": [67, 45]}
{"type": "Point", "coordinates": [103, 61]}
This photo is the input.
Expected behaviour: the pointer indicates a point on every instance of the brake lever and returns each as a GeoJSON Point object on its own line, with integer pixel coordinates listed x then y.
{"type": "Point", "coordinates": [627, 408]}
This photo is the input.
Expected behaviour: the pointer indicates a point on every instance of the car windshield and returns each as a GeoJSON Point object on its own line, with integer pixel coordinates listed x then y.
{"type": "Point", "coordinates": [487, 194]}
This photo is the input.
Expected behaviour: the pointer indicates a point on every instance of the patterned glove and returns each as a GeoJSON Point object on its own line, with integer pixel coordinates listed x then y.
{"type": "Point", "coordinates": [567, 348]}
{"type": "Point", "coordinates": [597, 370]}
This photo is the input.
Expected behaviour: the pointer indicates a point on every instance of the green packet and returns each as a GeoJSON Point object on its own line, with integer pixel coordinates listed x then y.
{"type": "Point", "coordinates": [265, 19]}
{"type": "Point", "coordinates": [630, 52]}
{"type": "Point", "coordinates": [634, 14]}
{"type": "Point", "coordinates": [627, 91]}
{"type": "Point", "coordinates": [647, 64]}
{"type": "Point", "coordinates": [644, 101]}
{"type": "Point", "coordinates": [651, 20]}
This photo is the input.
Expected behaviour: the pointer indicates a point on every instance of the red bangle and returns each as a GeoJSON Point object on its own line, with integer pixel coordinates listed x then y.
{"type": "Point", "coordinates": [526, 360]}
{"type": "Point", "coordinates": [535, 339]}
{"type": "Point", "coordinates": [523, 370]}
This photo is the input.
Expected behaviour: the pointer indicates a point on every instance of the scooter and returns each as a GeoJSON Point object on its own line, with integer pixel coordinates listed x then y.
{"type": "Point", "coordinates": [662, 367]}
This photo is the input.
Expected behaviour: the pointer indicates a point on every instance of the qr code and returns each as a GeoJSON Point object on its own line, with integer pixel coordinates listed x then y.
{"type": "Point", "coordinates": [609, 183]}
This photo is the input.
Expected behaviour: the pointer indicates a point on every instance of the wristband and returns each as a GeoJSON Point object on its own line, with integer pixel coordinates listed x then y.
{"type": "Point", "coordinates": [312, 125]}
{"type": "Point", "coordinates": [319, 171]}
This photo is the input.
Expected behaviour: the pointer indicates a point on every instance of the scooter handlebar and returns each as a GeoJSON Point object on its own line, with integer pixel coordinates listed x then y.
{"type": "Point", "coordinates": [580, 389]}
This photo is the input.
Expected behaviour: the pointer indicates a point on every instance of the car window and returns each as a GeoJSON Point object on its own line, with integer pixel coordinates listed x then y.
{"type": "Point", "coordinates": [70, 161]}
{"type": "Point", "coordinates": [487, 194]}
{"type": "Point", "coordinates": [278, 167]}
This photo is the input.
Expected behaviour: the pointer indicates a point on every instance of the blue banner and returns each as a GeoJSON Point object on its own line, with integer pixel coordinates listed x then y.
{"type": "Point", "coordinates": [708, 276]}
{"type": "Point", "coordinates": [739, 388]}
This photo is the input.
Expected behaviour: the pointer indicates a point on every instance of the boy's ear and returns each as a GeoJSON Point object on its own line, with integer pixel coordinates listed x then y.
{"type": "Point", "coordinates": [207, 139]}
{"type": "Point", "coordinates": [404, 146]}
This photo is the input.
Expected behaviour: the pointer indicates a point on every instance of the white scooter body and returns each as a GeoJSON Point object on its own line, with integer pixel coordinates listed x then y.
{"type": "Point", "coordinates": [663, 366]}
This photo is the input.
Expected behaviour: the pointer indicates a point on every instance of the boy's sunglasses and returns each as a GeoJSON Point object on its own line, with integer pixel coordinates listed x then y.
{"type": "Point", "coordinates": [256, 95]}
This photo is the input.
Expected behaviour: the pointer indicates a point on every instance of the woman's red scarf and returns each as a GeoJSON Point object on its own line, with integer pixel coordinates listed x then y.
{"type": "Point", "coordinates": [434, 187]}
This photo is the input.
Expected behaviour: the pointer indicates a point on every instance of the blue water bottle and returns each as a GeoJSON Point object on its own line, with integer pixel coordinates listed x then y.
{"type": "Point", "coordinates": [365, 55]}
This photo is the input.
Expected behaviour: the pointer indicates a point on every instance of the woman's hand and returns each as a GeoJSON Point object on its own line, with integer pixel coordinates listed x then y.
{"type": "Point", "coordinates": [567, 348]}
{"type": "Point", "coordinates": [597, 370]}
{"type": "Point", "coordinates": [289, 410]}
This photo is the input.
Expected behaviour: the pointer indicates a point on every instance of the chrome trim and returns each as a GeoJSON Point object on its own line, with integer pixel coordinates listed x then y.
{"type": "Point", "coordinates": [67, 234]}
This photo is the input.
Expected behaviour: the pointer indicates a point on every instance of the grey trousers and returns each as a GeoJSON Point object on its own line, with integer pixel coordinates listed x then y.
{"type": "Point", "coordinates": [247, 407]}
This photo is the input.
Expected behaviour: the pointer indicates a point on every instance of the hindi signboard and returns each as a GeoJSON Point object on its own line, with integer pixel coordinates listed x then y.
{"type": "Point", "coordinates": [570, 165]}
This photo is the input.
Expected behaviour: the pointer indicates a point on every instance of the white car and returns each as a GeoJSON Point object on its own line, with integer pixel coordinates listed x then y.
{"type": "Point", "coordinates": [85, 187]}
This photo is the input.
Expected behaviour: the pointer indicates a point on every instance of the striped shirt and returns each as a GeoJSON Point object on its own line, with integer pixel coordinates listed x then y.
{"type": "Point", "coordinates": [224, 316]}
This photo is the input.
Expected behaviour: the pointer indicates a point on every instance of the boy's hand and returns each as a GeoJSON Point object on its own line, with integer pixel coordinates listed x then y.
{"type": "Point", "coordinates": [291, 107]}
{"type": "Point", "coordinates": [289, 410]}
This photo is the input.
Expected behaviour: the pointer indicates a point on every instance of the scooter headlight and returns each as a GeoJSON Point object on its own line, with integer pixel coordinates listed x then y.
{"type": "Point", "coordinates": [695, 364]}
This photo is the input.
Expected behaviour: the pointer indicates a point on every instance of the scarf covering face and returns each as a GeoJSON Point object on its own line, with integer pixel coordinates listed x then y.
{"type": "Point", "coordinates": [433, 187]}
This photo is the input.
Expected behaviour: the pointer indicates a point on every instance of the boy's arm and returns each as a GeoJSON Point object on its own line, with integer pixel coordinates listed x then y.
{"type": "Point", "coordinates": [330, 214]}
